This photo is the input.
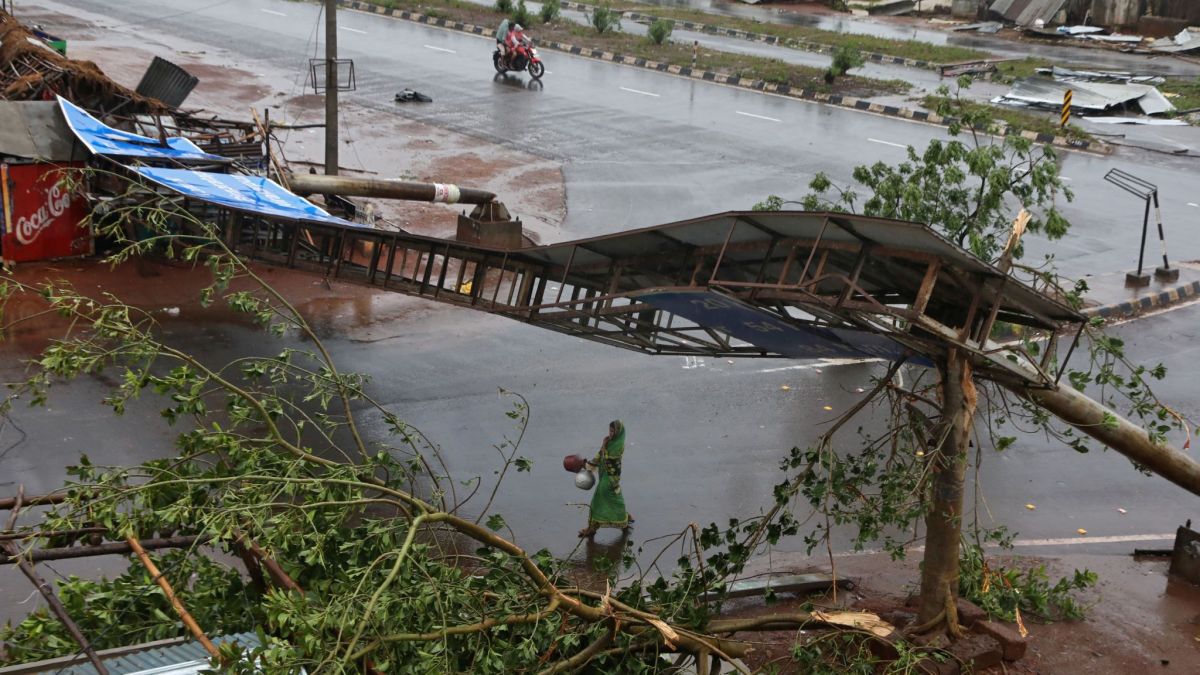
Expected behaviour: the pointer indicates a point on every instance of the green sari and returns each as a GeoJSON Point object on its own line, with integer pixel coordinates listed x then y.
{"type": "Point", "coordinates": [608, 504]}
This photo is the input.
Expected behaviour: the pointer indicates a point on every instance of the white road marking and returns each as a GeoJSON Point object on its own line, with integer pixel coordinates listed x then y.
{"type": "Point", "coordinates": [1065, 178]}
{"type": "Point", "coordinates": [1084, 539]}
{"type": "Point", "coordinates": [440, 49]}
{"type": "Point", "coordinates": [1195, 205]}
{"type": "Point", "coordinates": [690, 362]}
{"type": "Point", "coordinates": [894, 145]}
{"type": "Point", "coordinates": [757, 117]}
{"type": "Point", "coordinates": [823, 363]}
{"type": "Point", "coordinates": [1063, 541]}
{"type": "Point", "coordinates": [638, 91]}
{"type": "Point", "coordinates": [272, 12]}
{"type": "Point", "coordinates": [353, 30]}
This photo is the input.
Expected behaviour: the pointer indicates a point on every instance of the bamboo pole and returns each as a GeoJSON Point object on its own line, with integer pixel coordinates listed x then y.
{"type": "Point", "coordinates": [170, 593]}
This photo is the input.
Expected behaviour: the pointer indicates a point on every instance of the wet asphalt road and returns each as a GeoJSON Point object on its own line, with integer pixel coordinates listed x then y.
{"type": "Point", "coordinates": [643, 148]}
{"type": "Point", "coordinates": [705, 437]}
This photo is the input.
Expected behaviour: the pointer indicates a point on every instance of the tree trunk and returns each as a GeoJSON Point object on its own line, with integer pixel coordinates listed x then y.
{"type": "Point", "coordinates": [1127, 438]}
{"type": "Point", "coordinates": [943, 524]}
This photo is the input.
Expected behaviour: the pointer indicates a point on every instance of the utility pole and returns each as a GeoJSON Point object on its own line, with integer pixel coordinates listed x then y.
{"type": "Point", "coordinates": [331, 89]}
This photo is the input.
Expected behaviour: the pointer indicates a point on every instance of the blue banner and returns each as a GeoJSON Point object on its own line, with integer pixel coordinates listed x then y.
{"type": "Point", "coordinates": [243, 193]}
{"type": "Point", "coordinates": [101, 139]}
{"type": "Point", "coordinates": [771, 333]}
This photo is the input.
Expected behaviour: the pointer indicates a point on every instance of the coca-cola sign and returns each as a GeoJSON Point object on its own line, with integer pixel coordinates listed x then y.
{"type": "Point", "coordinates": [41, 215]}
{"type": "Point", "coordinates": [56, 204]}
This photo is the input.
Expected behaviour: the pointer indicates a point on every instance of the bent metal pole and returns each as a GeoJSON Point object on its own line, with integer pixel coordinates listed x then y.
{"type": "Point", "coordinates": [312, 183]}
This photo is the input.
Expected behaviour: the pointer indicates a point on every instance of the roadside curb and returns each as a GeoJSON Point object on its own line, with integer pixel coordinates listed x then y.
{"type": "Point", "coordinates": [794, 43]}
{"type": "Point", "coordinates": [1128, 308]}
{"type": "Point", "coordinates": [849, 102]}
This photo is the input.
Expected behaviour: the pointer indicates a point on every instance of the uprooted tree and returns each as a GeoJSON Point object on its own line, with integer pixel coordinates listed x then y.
{"type": "Point", "coordinates": [971, 191]}
{"type": "Point", "coordinates": [363, 554]}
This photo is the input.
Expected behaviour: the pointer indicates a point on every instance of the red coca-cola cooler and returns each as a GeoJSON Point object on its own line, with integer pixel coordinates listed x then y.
{"type": "Point", "coordinates": [43, 215]}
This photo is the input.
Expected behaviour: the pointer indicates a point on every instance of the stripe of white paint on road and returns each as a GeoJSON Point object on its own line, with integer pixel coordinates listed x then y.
{"type": "Point", "coordinates": [273, 12]}
{"type": "Point", "coordinates": [638, 91]}
{"type": "Point", "coordinates": [1195, 205]}
{"type": "Point", "coordinates": [1064, 541]}
{"type": "Point", "coordinates": [1083, 539]}
{"type": "Point", "coordinates": [440, 49]}
{"type": "Point", "coordinates": [894, 145]}
{"type": "Point", "coordinates": [353, 30]}
{"type": "Point", "coordinates": [823, 363]}
{"type": "Point", "coordinates": [758, 117]}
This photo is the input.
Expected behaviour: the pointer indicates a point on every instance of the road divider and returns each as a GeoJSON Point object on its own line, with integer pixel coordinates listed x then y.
{"type": "Point", "coordinates": [762, 86]}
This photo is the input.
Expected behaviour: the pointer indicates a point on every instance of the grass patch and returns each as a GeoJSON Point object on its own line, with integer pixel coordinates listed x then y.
{"type": "Point", "coordinates": [736, 65]}
{"type": "Point", "coordinates": [1011, 71]}
{"type": "Point", "coordinates": [1186, 93]}
{"type": "Point", "coordinates": [921, 51]}
{"type": "Point", "coordinates": [1022, 120]}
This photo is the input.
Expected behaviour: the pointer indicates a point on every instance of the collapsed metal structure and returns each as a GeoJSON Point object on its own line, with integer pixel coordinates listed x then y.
{"type": "Point", "coordinates": [758, 284]}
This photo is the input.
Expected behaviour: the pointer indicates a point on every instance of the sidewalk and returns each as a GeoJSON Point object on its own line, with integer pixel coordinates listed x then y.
{"type": "Point", "coordinates": [1138, 618]}
{"type": "Point", "coordinates": [1108, 296]}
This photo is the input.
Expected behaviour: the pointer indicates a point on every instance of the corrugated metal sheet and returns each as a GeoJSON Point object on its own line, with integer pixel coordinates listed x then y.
{"type": "Point", "coordinates": [36, 130]}
{"type": "Point", "coordinates": [1096, 96]}
{"type": "Point", "coordinates": [167, 82]}
{"type": "Point", "coordinates": [181, 659]}
{"type": "Point", "coordinates": [1027, 12]}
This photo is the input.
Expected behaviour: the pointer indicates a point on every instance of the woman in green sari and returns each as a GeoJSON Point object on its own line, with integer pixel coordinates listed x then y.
{"type": "Point", "coordinates": [608, 504]}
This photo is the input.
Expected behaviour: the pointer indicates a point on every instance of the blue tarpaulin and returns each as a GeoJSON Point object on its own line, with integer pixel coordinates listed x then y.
{"type": "Point", "coordinates": [101, 139]}
{"type": "Point", "coordinates": [254, 194]}
{"type": "Point", "coordinates": [773, 334]}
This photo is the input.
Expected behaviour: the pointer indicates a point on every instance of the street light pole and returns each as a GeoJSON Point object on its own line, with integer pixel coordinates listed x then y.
{"type": "Point", "coordinates": [331, 89]}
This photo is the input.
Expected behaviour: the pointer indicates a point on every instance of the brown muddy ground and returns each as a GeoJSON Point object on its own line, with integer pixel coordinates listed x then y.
{"type": "Point", "coordinates": [1139, 620]}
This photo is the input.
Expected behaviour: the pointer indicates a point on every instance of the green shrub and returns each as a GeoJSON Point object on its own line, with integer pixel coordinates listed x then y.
{"type": "Point", "coordinates": [845, 57]}
{"type": "Point", "coordinates": [660, 30]}
{"type": "Point", "coordinates": [550, 10]}
{"type": "Point", "coordinates": [605, 19]}
{"type": "Point", "coordinates": [504, 6]}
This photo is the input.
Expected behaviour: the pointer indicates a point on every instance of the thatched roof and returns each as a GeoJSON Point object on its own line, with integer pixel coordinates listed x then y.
{"type": "Point", "coordinates": [31, 71]}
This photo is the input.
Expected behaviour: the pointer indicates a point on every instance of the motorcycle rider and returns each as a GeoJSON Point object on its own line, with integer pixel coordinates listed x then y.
{"type": "Point", "coordinates": [514, 41]}
{"type": "Point", "coordinates": [501, 39]}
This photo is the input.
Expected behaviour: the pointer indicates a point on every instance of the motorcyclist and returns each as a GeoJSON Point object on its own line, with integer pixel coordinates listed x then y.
{"type": "Point", "coordinates": [501, 39]}
{"type": "Point", "coordinates": [515, 40]}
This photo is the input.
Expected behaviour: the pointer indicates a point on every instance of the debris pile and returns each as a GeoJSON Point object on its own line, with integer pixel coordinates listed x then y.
{"type": "Point", "coordinates": [30, 70]}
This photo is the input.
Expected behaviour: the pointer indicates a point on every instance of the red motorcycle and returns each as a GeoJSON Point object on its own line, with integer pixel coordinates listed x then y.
{"type": "Point", "coordinates": [524, 57]}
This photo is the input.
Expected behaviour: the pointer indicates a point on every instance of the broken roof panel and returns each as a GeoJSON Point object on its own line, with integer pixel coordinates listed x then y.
{"type": "Point", "coordinates": [1185, 41]}
{"type": "Point", "coordinates": [37, 130]}
{"type": "Point", "coordinates": [1028, 12]}
{"type": "Point", "coordinates": [252, 194]}
{"type": "Point", "coordinates": [1088, 95]}
{"type": "Point", "coordinates": [102, 139]}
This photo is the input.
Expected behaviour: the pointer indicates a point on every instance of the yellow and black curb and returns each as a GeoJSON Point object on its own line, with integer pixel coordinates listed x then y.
{"type": "Point", "coordinates": [723, 78]}
{"type": "Point", "coordinates": [1159, 300]}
